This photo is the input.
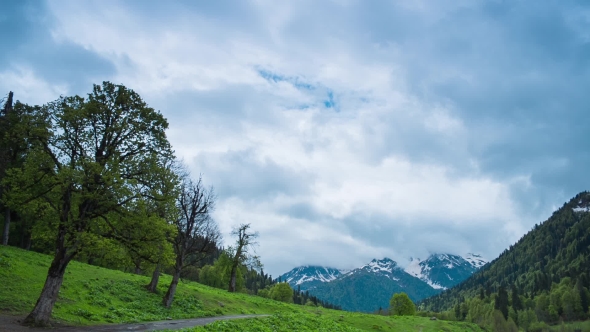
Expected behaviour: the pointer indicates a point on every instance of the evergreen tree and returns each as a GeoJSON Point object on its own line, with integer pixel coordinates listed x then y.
{"type": "Point", "coordinates": [516, 302]}
{"type": "Point", "coordinates": [501, 302]}
{"type": "Point", "coordinates": [583, 294]}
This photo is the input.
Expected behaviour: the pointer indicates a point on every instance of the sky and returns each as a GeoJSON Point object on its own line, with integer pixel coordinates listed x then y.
{"type": "Point", "coordinates": [342, 130]}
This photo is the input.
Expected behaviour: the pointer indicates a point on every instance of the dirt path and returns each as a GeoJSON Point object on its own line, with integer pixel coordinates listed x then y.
{"type": "Point", "coordinates": [11, 324]}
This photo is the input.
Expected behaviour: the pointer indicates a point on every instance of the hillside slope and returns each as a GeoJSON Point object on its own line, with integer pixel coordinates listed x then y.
{"type": "Point", "coordinates": [93, 295]}
{"type": "Point", "coordinates": [551, 251]}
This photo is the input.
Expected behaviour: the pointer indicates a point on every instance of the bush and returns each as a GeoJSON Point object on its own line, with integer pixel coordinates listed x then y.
{"type": "Point", "coordinates": [401, 305]}
{"type": "Point", "coordinates": [282, 292]}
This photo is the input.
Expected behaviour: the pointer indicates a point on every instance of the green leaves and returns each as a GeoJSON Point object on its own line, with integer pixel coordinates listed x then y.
{"type": "Point", "coordinates": [90, 165]}
{"type": "Point", "coordinates": [282, 292]}
{"type": "Point", "coordinates": [401, 305]}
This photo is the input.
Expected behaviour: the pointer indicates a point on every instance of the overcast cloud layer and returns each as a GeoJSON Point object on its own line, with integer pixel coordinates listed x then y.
{"type": "Point", "coordinates": [341, 130]}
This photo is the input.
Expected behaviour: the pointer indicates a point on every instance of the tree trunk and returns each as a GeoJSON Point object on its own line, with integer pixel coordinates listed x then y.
{"type": "Point", "coordinates": [25, 240]}
{"type": "Point", "coordinates": [5, 154]}
{"type": "Point", "coordinates": [232, 279]}
{"type": "Point", "coordinates": [137, 266]}
{"type": "Point", "coordinates": [6, 226]}
{"type": "Point", "coordinates": [42, 312]}
{"type": "Point", "coordinates": [169, 297]}
{"type": "Point", "coordinates": [153, 285]}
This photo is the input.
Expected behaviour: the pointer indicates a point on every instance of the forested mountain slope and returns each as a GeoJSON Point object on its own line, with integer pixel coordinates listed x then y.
{"type": "Point", "coordinates": [551, 251]}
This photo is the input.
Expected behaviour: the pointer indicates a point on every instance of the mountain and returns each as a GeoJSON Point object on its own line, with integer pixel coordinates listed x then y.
{"type": "Point", "coordinates": [442, 271]}
{"type": "Point", "coordinates": [308, 277]}
{"type": "Point", "coordinates": [370, 286]}
{"type": "Point", "coordinates": [556, 250]}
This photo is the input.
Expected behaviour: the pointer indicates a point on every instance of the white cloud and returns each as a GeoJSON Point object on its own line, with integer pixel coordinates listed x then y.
{"type": "Point", "coordinates": [391, 160]}
{"type": "Point", "coordinates": [29, 87]}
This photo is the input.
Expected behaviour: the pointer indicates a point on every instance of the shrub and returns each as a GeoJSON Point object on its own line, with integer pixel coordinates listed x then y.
{"type": "Point", "coordinates": [401, 305]}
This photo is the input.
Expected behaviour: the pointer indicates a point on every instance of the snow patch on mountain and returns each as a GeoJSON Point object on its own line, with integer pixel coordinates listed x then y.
{"type": "Point", "coordinates": [309, 274]}
{"type": "Point", "coordinates": [434, 285]}
{"type": "Point", "coordinates": [414, 268]}
{"type": "Point", "coordinates": [419, 269]}
{"type": "Point", "coordinates": [475, 260]}
{"type": "Point", "coordinates": [383, 265]}
{"type": "Point", "coordinates": [440, 270]}
{"type": "Point", "coordinates": [582, 207]}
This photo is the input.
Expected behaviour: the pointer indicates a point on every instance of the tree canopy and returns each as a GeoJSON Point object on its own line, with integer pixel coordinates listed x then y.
{"type": "Point", "coordinates": [90, 161]}
{"type": "Point", "coordinates": [401, 305]}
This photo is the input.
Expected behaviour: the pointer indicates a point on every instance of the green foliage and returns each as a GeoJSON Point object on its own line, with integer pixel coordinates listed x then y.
{"type": "Point", "coordinates": [282, 292]}
{"type": "Point", "coordinates": [501, 302]}
{"type": "Point", "coordinates": [279, 322]}
{"type": "Point", "coordinates": [219, 273]}
{"type": "Point", "coordinates": [90, 166]}
{"type": "Point", "coordinates": [526, 319]}
{"type": "Point", "coordinates": [401, 305]}
{"type": "Point", "coordinates": [89, 162]}
{"type": "Point", "coordinates": [264, 293]}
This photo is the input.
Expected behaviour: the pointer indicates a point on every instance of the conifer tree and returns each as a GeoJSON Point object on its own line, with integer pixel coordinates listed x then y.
{"type": "Point", "coordinates": [501, 302]}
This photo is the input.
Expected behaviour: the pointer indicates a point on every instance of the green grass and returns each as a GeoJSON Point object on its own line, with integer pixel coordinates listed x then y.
{"type": "Point", "coordinates": [93, 295]}
{"type": "Point", "coordinates": [328, 320]}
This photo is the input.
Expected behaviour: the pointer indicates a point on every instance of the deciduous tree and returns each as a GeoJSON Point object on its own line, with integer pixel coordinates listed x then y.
{"type": "Point", "coordinates": [91, 159]}
{"type": "Point", "coordinates": [241, 252]}
{"type": "Point", "coordinates": [197, 233]}
{"type": "Point", "coordinates": [282, 292]}
{"type": "Point", "coordinates": [401, 305]}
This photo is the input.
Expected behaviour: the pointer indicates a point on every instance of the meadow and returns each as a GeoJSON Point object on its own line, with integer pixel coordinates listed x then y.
{"type": "Point", "coordinates": [93, 295]}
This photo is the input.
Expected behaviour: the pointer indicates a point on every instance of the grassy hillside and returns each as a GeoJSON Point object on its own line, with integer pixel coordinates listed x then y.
{"type": "Point", "coordinates": [92, 295]}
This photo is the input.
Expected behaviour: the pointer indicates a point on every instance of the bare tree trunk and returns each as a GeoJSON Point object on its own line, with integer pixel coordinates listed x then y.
{"type": "Point", "coordinates": [27, 244]}
{"type": "Point", "coordinates": [153, 285]}
{"type": "Point", "coordinates": [169, 297]}
{"type": "Point", "coordinates": [25, 238]}
{"type": "Point", "coordinates": [41, 314]}
{"type": "Point", "coordinates": [137, 266]}
{"type": "Point", "coordinates": [6, 226]}
{"type": "Point", "coordinates": [232, 279]}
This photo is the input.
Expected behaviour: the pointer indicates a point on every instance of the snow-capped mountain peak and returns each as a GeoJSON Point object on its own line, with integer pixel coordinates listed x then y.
{"type": "Point", "coordinates": [442, 271]}
{"type": "Point", "coordinates": [309, 276]}
{"type": "Point", "coordinates": [381, 265]}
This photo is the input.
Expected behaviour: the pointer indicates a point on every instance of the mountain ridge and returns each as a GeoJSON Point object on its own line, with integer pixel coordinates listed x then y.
{"type": "Point", "coordinates": [380, 278]}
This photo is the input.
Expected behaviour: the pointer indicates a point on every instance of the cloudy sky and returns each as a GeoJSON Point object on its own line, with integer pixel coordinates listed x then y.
{"type": "Point", "coordinates": [342, 130]}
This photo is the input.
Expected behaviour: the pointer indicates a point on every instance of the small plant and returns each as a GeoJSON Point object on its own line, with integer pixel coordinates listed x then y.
{"type": "Point", "coordinates": [4, 263]}
{"type": "Point", "coordinates": [83, 313]}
